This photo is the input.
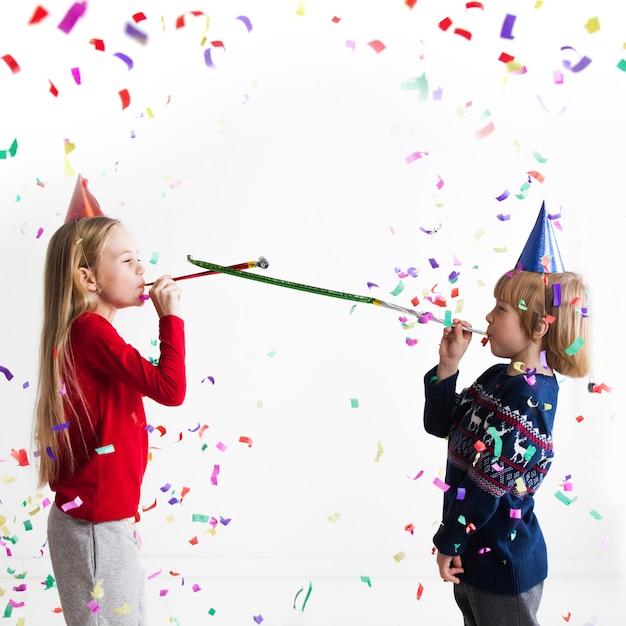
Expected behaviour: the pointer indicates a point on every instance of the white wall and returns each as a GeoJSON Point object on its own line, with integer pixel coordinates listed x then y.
{"type": "Point", "coordinates": [294, 147]}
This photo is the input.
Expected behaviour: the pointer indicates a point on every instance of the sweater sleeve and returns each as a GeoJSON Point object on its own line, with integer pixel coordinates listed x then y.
{"type": "Point", "coordinates": [505, 463]}
{"type": "Point", "coordinates": [164, 383]}
{"type": "Point", "coordinates": [440, 402]}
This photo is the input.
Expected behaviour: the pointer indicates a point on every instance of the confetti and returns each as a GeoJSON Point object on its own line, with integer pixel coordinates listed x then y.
{"type": "Point", "coordinates": [75, 12]}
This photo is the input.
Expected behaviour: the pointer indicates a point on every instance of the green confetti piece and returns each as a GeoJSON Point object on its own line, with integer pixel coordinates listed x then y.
{"type": "Point", "coordinates": [595, 514]}
{"type": "Point", "coordinates": [271, 354]}
{"type": "Point", "coordinates": [577, 344]}
{"type": "Point", "coordinates": [306, 597]}
{"type": "Point", "coordinates": [456, 547]}
{"type": "Point", "coordinates": [154, 259]}
{"type": "Point", "coordinates": [564, 499]}
{"type": "Point", "coordinates": [366, 580]}
{"type": "Point", "coordinates": [198, 517]}
{"type": "Point", "coordinates": [529, 452]}
{"type": "Point", "coordinates": [211, 611]}
{"type": "Point", "coordinates": [28, 525]}
{"type": "Point", "coordinates": [399, 288]}
{"type": "Point", "coordinates": [461, 519]}
{"type": "Point", "coordinates": [622, 65]}
{"type": "Point", "coordinates": [106, 449]}
{"type": "Point", "coordinates": [538, 157]}
{"type": "Point", "coordinates": [497, 442]}
{"type": "Point", "coordinates": [354, 403]}
{"type": "Point", "coordinates": [447, 320]}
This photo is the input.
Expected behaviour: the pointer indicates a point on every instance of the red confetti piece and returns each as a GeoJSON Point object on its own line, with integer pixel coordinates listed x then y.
{"type": "Point", "coordinates": [420, 591]}
{"type": "Point", "coordinates": [474, 5]}
{"type": "Point", "coordinates": [377, 46]}
{"type": "Point", "coordinates": [39, 14]}
{"type": "Point", "coordinates": [21, 456]}
{"type": "Point", "coordinates": [53, 90]}
{"type": "Point", "coordinates": [12, 63]}
{"type": "Point", "coordinates": [125, 97]}
{"type": "Point", "coordinates": [537, 176]}
{"type": "Point", "coordinates": [98, 44]}
{"type": "Point", "coordinates": [180, 20]}
{"type": "Point", "coordinates": [506, 58]}
{"type": "Point", "coordinates": [139, 17]}
{"type": "Point", "coordinates": [463, 33]}
{"type": "Point", "coordinates": [336, 20]}
{"type": "Point", "coordinates": [445, 23]}
{"type": "Point", "coordinates": [150, 506]}
{"type": "Point", "coordinates": [246, 440]}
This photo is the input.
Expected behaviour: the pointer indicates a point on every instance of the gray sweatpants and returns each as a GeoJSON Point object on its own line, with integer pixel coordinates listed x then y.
{"type": "Point", "coordinates": [100, 559]}
{"type": "Point", "coordinates": [480, 608]}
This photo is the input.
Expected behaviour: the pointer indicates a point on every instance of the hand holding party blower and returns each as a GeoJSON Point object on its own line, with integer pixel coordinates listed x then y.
{"type": "Point", "coordinates": [234, 271]}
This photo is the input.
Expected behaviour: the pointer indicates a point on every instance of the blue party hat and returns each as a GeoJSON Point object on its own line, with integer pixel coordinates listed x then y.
{"type": "Point", "coordinates": [541, 252]}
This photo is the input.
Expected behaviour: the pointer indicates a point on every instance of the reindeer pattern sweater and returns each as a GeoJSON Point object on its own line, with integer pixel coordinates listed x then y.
{"type": "Point", "coordinates": [499, 434]}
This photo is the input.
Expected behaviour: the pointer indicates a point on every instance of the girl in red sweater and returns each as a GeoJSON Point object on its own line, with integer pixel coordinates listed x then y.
{"type": "Point", "coordinates": [90, 420]}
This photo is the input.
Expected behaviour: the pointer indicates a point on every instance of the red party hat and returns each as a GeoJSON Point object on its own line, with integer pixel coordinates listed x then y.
{"type": "Point", "coordinates": [82, 204]}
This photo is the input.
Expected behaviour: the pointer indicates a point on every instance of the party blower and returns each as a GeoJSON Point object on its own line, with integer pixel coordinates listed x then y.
{"type": "Point", "coordinates": [233, 271]}
{"type": "Point", "coordinates": [261, 262]}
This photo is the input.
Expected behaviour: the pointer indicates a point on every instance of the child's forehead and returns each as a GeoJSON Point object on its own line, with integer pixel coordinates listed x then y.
{"type": "Point", "coordinates": [119, 241]}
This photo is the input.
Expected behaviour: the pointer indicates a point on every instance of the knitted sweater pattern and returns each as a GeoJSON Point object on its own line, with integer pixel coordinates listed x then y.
{"type": "Point", "coordinates": [500, 449]}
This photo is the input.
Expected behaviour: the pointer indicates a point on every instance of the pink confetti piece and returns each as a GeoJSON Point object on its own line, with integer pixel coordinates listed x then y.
{"type": "Point", "coordinates": [73, 504]}
{"type": "Point", "coordinates": [221, 446]}
{"type": "Point", "coordinates": [411, 342]}
{"type": "Point", "coordinates": [75, 12]}
{"type": "Point", "coordinates": [439, 483]}
{"type": "Point", "coordinates": [214, 474]}
{"type": "Point", "coordinates": [414, 156]}
{"type": "Point", "coordinates": [376, 45]}
{"type": "Point", "coordinates": [418, 475]}
{"type": "Point", "coordinates": [515, 513]}
{"type": "Point", "coordinates": [76, 75]}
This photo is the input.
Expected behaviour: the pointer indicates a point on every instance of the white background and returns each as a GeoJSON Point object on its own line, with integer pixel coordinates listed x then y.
{"type": "Point", "coordinates": [294, 147]}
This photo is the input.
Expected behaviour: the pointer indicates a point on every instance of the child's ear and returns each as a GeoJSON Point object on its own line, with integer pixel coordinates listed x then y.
{"type": "Point", "coordinates": [87, 279]}
{"type": "Point", "coordinates": [541, 328]}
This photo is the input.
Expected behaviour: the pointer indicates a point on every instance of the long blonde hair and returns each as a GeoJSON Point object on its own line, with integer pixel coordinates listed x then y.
{"type": "Point", "coordinates": [533, 294]}
{"type": "Point", "coordinates": [76, 244]}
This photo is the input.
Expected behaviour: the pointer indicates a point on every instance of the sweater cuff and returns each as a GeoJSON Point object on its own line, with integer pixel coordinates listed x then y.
{"type": "Point", "coordinates": [450, 542]}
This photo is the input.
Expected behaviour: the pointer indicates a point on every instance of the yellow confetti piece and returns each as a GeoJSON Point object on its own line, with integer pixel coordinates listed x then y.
{"type": "Point", "coordinates": [592, 25]}
{"type": "Point", "coordinates": [501, 249]}
{"type": "Point", "coordinates": [380, 452]}
{"type": "Point", "coordinates": [478, 236]}
{"type": "Point", "coordinates": [300, 10]}
{"type": "Point", "coordinates": [170, 518]}
{"type": "Point", "coordinates": [334, 518]}
{"type": "Point", "coordinates": [259, 404]}
{"type": "Point", "coordinates": [122, 610]}
{"type": "Point", "coordinates": [520, 485]}
{"type": "Point", "coordinates": [98, 591]}
{"type": "Point", "coordinates": [519, 366]}
{"type": "Point", "coordinates": [399, 557]}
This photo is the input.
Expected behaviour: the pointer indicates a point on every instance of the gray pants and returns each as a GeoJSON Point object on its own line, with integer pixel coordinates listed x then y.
{"type": "Point", "coordinates": [480, 608]}
{"type": "Point", "coordinates": [103, 557]}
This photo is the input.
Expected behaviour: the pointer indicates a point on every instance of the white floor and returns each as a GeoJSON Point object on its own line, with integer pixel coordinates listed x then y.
{"type": "Point", "coordinates": [332, 602]}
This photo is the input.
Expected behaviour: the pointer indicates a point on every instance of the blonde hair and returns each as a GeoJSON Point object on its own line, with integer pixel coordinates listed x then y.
{"type": "Point", "coordinates": [566, 343]}
{"type": "Point", "coordinates": [76, 244]}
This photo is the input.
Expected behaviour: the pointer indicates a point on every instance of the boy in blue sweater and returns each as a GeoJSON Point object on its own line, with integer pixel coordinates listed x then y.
{"type": "Point", "coordinates": [499, 434]}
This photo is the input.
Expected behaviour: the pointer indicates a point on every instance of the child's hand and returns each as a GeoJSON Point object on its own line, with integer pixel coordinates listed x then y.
{"type": "Point", "coordinates": [449, 567]}
{"type": "Point", "coordinates": [452, 348]}
{"type": "Point", "coordinates": [165, 295]}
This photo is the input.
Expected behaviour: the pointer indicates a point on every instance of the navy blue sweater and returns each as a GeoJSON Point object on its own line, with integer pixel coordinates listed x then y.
{"type": "Point", "coordinates": [499, 450]}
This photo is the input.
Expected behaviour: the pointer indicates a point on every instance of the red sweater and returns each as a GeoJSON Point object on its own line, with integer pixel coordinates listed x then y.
{"type": "Point", "coordinates": [112, 450]}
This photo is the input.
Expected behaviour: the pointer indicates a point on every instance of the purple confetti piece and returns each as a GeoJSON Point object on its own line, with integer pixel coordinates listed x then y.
{"type": "Point", "coordinates": [556, 297]}
{"type": "Point", "coordinates": [6, 372]}
{"type": "Point", "coordinates": [433, 263]}
{"type": "Point", "coordinates": [507, 27]}
{"type": "Point", "coordinates": [208, 60]}
{"type": "Point", "coordinates": [246, 21]}
{"type": "Point", "coordinates": [135, 33]}
{"type": "Point", "coordinates": [503, 218]}
{"type": "Point", "coordinates": [125, 58]}
{"type": "Point", "coordinates": [412, 271]}
{"type": "Point", "coordinates": [75, 12]}
{"type": "Point", "coordinates": [582, 63]}
{"type": "Point", "coordinates": [258, 618]}
{"type": "Point", "coordinates": [503, 196]}
{"type": "Point", "coordinates": [370, 285]}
